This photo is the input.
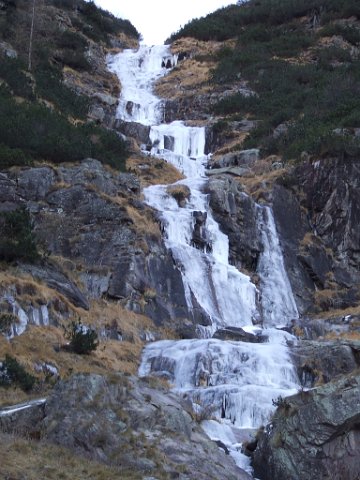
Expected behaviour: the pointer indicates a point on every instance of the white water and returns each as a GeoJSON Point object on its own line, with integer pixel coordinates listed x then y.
{"type": "Point", "coordinates": [233, 382]}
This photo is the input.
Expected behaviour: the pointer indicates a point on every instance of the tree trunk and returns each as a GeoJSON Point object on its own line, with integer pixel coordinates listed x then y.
{"type": "Point", "coordinates": [31, 35]}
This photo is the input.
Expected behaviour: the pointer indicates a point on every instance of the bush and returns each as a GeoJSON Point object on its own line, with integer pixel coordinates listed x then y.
{"type": "Point", "coordinates": [17, 241]}
{"type": "Point", "coordinates": [10, 157]}
{"type": "Point", "coordinates": [50, 87]}
{"type": "Point", "coordinates": [12, 372]}
{"type": "Point", "coordinates": [44, 134]}
{"type": "Point", "coordinates": [83, 339]}
{"type": "Point", "coordinates": [13, 72]}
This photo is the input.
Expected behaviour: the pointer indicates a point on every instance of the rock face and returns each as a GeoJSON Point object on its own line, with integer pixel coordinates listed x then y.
{"type": "Point", "coordinates": [23, 419]}
{"type": "Point", "coordinates": [96, 220]}
{"type": "Point", "coordinates": [125, 422]}
{"type": "Point", "coordinates": [236, 214]}
{"type": "Point", "coordinates": [316, 209]}
{"type": "Point", "coordinates": [313, 435]}
{"type": "Point", "coordinates": [322, 361]}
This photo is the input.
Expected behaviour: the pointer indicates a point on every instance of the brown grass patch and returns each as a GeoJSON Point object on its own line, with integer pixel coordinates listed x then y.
{"type": "Point", "coordinates": [145, 223]}
{"type": "Point", "coordinates": [21, 458]}
{"type": "Point", "coordinates": [192, 75]}
{"type": "Point", "coordinates": [153, 171]}
{"type": "Point", "coordinates": [234, 143]}
{"type": "Point", "coordinates": [181, 193]}
{"type": "Point", "coordinates": [259, 185]}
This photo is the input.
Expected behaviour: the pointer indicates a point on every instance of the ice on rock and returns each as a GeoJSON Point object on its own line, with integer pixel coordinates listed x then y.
{"type": "Point", "coordinates": [234, 382]}
{"type": "Point", "coordinates": [137, 71]}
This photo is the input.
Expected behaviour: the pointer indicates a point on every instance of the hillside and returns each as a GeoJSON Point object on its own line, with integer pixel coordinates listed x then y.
{"type": "Point", "coordinates": [84, 258]}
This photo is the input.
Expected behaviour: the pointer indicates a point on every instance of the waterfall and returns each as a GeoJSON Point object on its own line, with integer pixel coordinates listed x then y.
{"type": "Point", "coordinates": [234, 383]}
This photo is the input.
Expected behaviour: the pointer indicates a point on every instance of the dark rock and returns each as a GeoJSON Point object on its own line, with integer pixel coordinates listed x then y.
{"type": "Point", "coordinates": [133, 129]}
{"type": "Point", "coordinates": [332, 194]}
{"type": "Point", "coordinates": [239, 335]}
{"type": "Point", "coordinates": [10, 198]}
{"type": "Point", "coordinates": [237, 159]}
{"type": "Point", "coordinates": [320, 362]}
{"type": "Point", "coordinates": [236, 214]}
{"type": "Point", "coordinates": [292, 226]}
{"type": "Point", "coordinates": [200, 237]}
{"type": "Point", "coordinates": [313, 435]}
{"type": "Point", "coordinates": [59, 282]}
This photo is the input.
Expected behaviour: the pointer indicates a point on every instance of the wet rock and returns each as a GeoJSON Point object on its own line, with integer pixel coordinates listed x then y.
{"type": "Point", "coordinates": [236, 214]}
{"type": "Point", "coordinates": [292, 227]}
{"type": "Point", "coordinates": [239, 335]}
{"type": "Point", "coordinates": [313, 435]}
{"type": "Point", "coordinates": [200, 237]}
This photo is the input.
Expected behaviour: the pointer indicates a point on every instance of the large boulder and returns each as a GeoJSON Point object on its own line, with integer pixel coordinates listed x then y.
{"type": "Point", "coordinates": [321, 361]}
{"type": "Point", "coordinates": [125, 422]}
{"type": "Point", "coordinates": [313, 435]}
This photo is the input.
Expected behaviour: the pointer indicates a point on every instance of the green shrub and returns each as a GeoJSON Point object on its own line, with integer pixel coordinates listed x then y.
{"type": "Point", "coordinates": [99, 23]}
{"type": "Point", "coordinates": [10, 157]}
{"type": "Point", "coordinates": [44, 134]}
{"type": "Point", "coordinates": [13, 72]}
{"type": "Point", "coordinates": [83, 339]}
{"type": "Point", "coordinates": [349, 33]}
{"type": "Point", "coordinates": [49, 86]}
{"type": "Point", "coordinates": [12, 372]}
{"type": "Point", "coordinates": [71, 40]}
{"type": "Point", "coordinates": [17, 241]}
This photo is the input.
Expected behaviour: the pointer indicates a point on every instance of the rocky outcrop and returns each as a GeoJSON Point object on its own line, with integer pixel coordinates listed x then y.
{"type": "Point", "coordinates": [332, 194]}
{"type": "Point", "coordinates": [96, 220]}
{"type": "Point", "coordinates": [321, 361]}
{"type": "Point", "coordinates": [240, 335]}
{"type": "Point", "coordinates": [23, 419]}
{"type": "Point", "coordinates": [236, 214]}
{"type": "Point", "coordinates": [123, 421]}
{"type": "Point", "coordinates": [313, 435]}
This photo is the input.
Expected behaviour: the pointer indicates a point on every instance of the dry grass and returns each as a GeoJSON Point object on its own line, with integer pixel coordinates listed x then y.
{"type": "Point", "coordinates": [234, 142]}
{"type": "Point", "coordinates": [152, 171]}
{"type": "Point", "coordinates": [29, 291]}
{"type": "Point", "coordinates": [258, 185]}
{"type": "Point", "coordinates": [39, 345]}
{"type": "Point", "coordinates": [192, 75]}
{"type": "Point", "coordinates": [181, 193]}
{"type": "Point", "coordinates": [336, 313]}
{"type": "Point", "coordinates": [145, 223]}
{"type": "Point", "coordinates": [27, 459]}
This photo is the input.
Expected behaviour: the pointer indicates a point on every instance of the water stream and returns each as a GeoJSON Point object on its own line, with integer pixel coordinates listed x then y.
{"type": "Point", "coordinates": [232, 384]}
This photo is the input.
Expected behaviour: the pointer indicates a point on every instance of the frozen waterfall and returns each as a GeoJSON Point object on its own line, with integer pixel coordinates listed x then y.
{"type": "Point", "coordinates": [235, 383]}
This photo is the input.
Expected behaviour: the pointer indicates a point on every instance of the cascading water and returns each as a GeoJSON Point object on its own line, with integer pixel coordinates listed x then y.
{"type": "Point", "coordinates": [233, 382]}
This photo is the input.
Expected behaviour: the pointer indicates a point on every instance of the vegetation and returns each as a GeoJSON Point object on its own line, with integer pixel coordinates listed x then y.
{"type": "Point", "coordinates": [83, 339]}
{"type": "Point", "coordinates": [310, 88]}
{"type": "Point", "coordinates": [11, 372]}
{"type": "Point", "coordinates": [17, 239]}
{"type": "Point", "coordinates": [30, 131]}
{"type": "Point", "coordinates": [228, 22]}
{"type": "Point", "coordinates": [49, 124]}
